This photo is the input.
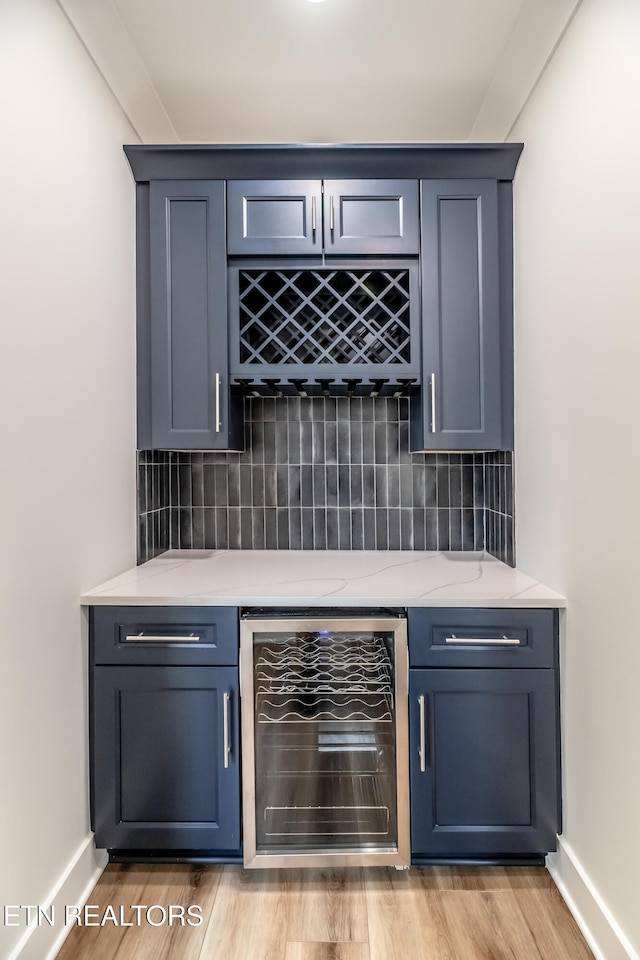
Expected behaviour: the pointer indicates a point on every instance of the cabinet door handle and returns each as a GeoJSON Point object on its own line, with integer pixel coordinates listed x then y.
{"type": "Point", "coordinates": [331, 216]}
{"type": "Point", "coordinates": [218, 424]}
{"type": "Point", "coordinates": [313, 216]}
{"type": "Point", "coordinates": [423, 748]}
{"type": "Point", "coordinates": [151, 638]}
{"type": "Point", "coordinates": [433, 403]}
{"type": "Point", "coordinates": [226, 749]}
{"type": "Point", "coordinates": [499, 641]}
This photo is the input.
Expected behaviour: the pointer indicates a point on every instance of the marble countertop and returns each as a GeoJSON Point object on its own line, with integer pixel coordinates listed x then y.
{"type": "Point", "coordinates": [324, 578]}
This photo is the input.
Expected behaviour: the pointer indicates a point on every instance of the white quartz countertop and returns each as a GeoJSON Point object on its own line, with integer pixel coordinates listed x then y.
{"type": "Point", "coordinates": [324, 578]}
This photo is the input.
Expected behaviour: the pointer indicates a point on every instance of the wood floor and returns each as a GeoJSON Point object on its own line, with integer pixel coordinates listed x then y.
{"type": "Point", "coordinates": [430, 913]}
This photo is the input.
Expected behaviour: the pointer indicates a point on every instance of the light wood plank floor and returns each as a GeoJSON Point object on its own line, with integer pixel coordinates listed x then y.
{"type": "Point", "coordinates": [428, 913]}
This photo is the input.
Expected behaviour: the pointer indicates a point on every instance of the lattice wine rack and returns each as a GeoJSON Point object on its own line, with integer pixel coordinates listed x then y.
{"type": "Point", "coordinates": [325, 330]}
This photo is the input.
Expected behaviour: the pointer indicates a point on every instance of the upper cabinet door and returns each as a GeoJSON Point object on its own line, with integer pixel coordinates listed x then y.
{"type": "Point", "coordinates": [267, 217]}
{"type": "Point", "coordinates": [307, 217]}
{"type": "Point", "coordinates": [378, 217]}
{"type": "Point", "coordinates": [188, 390]}
{"type": "Point", "coordinates": [461, 405]}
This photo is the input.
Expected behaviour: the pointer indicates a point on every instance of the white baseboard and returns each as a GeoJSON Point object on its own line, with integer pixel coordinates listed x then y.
{"type": "Point", "coordinates": [600, 929]}
{"type": "Point", "coordinates": [43, 941]}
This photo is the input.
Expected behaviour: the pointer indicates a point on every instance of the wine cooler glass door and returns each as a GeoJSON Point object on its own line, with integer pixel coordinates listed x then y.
{"type": "Point", "coordinates": [324, 741]}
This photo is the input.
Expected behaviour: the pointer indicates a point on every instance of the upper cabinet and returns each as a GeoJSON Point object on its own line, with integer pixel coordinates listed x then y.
{"type": "Point", "coordinates": [346, 270]}
{"type": "Point", "coordinates": [466, 398]}
{"type": "Point", "coordinates": [337, 217]}
{"type": "Point", "coordinates": [184, 400]}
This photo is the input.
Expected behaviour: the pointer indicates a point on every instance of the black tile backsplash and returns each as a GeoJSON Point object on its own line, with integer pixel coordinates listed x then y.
{"type": "Point", "coordinates": [325, 474]}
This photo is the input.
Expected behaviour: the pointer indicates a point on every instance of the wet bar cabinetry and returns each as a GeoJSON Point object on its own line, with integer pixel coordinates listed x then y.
{"type": "Point", "coordinates": [484, 733]}
{"type": "Point", "coordinates": [165, 750]}
{"type": "Point", "coordinates": [164, 730]}
{"type": "Point", "coordinates": [337, 270]}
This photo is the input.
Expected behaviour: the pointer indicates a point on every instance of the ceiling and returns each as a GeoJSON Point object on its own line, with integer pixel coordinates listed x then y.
{"type": "Point", "coordinates": [278, 71]}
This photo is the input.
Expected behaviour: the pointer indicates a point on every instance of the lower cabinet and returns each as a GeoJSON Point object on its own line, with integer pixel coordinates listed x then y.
{"type": "Point", "coordinates": [484, 740]}
{"type": "Point", "coordinates": [165, 740]}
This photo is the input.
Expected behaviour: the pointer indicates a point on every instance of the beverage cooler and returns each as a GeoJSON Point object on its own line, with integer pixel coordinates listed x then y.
{"type": "Point", "coordinates": [324, 738]}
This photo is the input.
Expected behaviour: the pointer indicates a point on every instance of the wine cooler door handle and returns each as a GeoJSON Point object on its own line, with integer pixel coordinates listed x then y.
{"type": "Point", "coordinates": [423, 742]}
{"type": "Point", "coordinates": [226, 749]}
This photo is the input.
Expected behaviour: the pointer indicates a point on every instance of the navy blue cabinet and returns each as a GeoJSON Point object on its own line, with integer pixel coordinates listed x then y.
{"type": "Point", "coordinates": [484, 734]}
{"type": "Point", "coordinates": [338, 217]}
{"type": "Point", "coordinates": [184, 397]}
{"type": "Point", "coordinates": [350, 270]}
{"type": "Point", "coordinates": [165, 736]}
{"type": "Point", "coordinates": [466, 401]}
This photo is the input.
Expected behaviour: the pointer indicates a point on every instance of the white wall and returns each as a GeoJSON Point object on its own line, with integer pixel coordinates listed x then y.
{"type": "Point", "coordinates": [577, 206]}
{"type": "Point", "coordinates": [67, 521]}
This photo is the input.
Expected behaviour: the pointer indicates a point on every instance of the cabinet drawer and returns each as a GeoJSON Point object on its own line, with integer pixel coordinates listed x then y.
{"type": "Point", "coordinates": [164, 635]}
{"type": "Point", "coordinates": [453, 636]}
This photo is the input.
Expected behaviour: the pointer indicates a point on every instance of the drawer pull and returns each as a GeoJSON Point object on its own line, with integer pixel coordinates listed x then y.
{"type": "Point", "coordinates": [150, 638]}
{"type": "Point", "coordinates": [423, 752]}
{"type": "Point", "coordinates": [499, 641]}
{"type": "Point", "coordinates": [225, 728]}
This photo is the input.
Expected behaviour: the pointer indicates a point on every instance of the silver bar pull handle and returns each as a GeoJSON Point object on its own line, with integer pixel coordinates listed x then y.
{"type": "Point", "coordinates": [499, 641]}
{"type": "Point", "coordinates": [433, 403]}
{"type": "Point", "coordinates": [152, 638]}
{"type": "Point", "coordinates": [218, 423]}
{"type": "Point", "coordinates": [313, 216]}
{"type": "Point", "coordinates": [331, 215]}
{"type": "Point", "coordinates": [226, 749]}
{"type": "Point", "coordinates": [423, 751]}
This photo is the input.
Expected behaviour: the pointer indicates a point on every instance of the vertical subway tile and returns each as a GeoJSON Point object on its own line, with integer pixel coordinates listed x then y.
{"type": "Point", "coordinates": [270, 442]}
{"type": "Point", "coordinates": [233, 485]}
{"type": "Point", "coordinates": [269, 484]}
{"type": "Point", "coordinates": [368, 442]}
{"type": "Point", "coordinates": [295, 494]}
{"type": "Point", "coordinates": [333, 538]}
{"type": "Point", "coordinates": [443, 529]}
{"type": "Point", "coordinates": [331, 480]}
{"type": "Point", "coordinates": [455, 528]}
{"type": "Point", "coordinates": [418, 521]}
{"type": "Point", "coordinates": [306, 485]}
{"type": "Point", "coordinates": [369, 528]}
{"type": "Point", "coordinates": [306, 441]}
{"type": "Point", "coordinates": [344, 529]}
{"type": "Point", "coordinates": [319, 528]}
{"type": "Point", "coordinates": [431, 528]}
{"type": "Point", "coordinates": [319, 479]}
{"type": "Point", "coordinates": [380, 441]}
{"type": "Point", "coordinates": [282, 485]}
{"type": "Point", "coordinates": [210, 533]}
{"type": "Point", "coordinates": [281, 441]}
{"type": "Point", "coordinates": [406, 530]}
{"type": "Point", "coordinates": [235, 538]}
{"type": "Point", "coordinates": [357, 531]}
{"type": "Point", "coordinates": [379, 522]}
{"type": "Point", "coordinates": [282, 520]}
{"type": "Point", "coordinates": [455, 486]}
{"type": "Point", "coordinates": [307, 528]}
{"type": "Point", "coordinates": [295, 528]}
{"type": "Point", "coordinates": [246, 528]}
{"type": "Point", "coordinates": [197, 528]}
{"type": "Point", "coordinates": [368, 485]}
{"type": "Point", "coordinates": [270, 529]}
{"type": "Point", "coordinates": [393, 525]}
